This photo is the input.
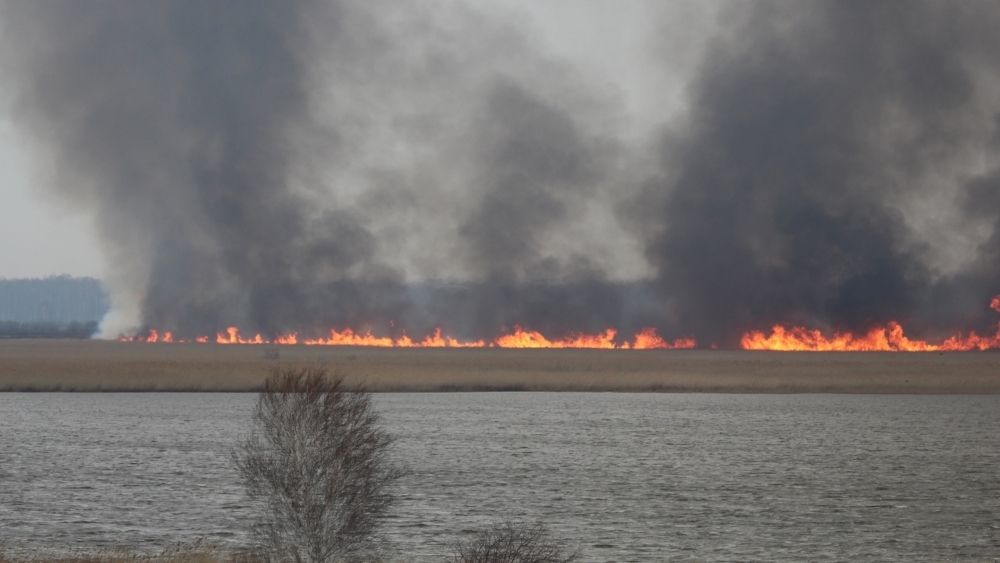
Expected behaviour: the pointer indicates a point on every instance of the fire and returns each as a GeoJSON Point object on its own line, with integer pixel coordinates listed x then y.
{"type": "Point", "coordinates": [287, 339]}
{"type": "Point", "coordinates": [532, 339]}
{"type": "Point", "coordinates": [232, 336]}
{"type": "Point", "coordinates": [153, 336]}
{"type": "Point", "coordinates": [647, 339]}
{"type": "Point", "coordinates": [889, 338]}
{"type": "Point", "coordinates": [437, 341]}
{"type": "Point", "coordinates": [349, 338]}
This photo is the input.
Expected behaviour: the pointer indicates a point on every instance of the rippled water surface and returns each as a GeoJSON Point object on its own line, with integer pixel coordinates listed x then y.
{"type": "Point", "coordinates": [625, 477]}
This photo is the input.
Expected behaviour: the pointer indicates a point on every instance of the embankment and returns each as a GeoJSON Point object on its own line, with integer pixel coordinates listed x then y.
{"type": "Point", "coordinates": [95, 365]}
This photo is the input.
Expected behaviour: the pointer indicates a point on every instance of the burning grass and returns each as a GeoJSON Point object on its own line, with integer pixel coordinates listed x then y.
{"type": "Point", "coordinates": [646, 339]}
{"type": "Point", "coordinates": [879, 338]}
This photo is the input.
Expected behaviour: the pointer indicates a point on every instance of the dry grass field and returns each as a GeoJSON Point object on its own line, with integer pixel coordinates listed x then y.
{"type": "Point", "coordinates": [197, 552]}
{"type": "Point", "coordinates": [96, 365]}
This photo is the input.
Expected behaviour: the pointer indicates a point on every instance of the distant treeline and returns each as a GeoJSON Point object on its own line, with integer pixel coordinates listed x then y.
{"type": "Point", "coordinates": [52, 307]}
{"type": "Point", "coordinates": [10, 329]}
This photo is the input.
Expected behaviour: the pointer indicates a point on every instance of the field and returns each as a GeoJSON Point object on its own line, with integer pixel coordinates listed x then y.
{"type": "Point", "coordinates": [96, 365]}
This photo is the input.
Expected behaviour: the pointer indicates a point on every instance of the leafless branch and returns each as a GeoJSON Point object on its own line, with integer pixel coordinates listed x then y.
{"type": "Point", "coordinates": [316, 465]}
{"type": "Point", "coordinates": [513, 542]}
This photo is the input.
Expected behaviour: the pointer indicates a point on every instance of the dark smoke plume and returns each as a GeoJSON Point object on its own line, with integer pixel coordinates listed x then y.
{"type": "Point", "coordinates": [206, 137]}
{"type": "Point", "coordinates": [813, 125]}
{"type": "Point", "coordinates": [177, 122]}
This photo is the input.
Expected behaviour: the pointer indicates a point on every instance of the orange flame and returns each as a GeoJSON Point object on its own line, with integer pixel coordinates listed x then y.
{"type": "Point", "coordinates": [287, 339]}
{"type": "Point", "coordinates": [349, 338]}
{"type": "Point", "coordinates": [437, 341]}
{"type": "Point", "coordinates": [152, 336]}
{"type": "Point", "coordinates": [232, 336]}
{"type": "Point", "coordinates": [889, 338]}
{"type": "Point", "coordinates": [532, 339]}
{"type": "Point", "coordinates": [647, 339]}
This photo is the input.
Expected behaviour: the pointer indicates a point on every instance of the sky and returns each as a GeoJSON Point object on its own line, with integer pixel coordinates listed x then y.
{"type": "Point", "coordinates": [40, 235]}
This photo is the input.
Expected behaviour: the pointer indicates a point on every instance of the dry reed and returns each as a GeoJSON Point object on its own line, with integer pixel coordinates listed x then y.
{"type": "Point", "coordinates": [113, 366]}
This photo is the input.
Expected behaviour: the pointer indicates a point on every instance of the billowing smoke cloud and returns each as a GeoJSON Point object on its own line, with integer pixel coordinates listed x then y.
{"type": "Point", "coordinates": [178, 123]}
{"type": "Point", "coordinates": [817, 131]}
{"type": "Point", "coordinates": [297, 165]}
{"type": "Point", "coordinates": [259, 163]}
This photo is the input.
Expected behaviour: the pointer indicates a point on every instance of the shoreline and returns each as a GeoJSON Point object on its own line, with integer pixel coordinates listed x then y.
{"type": "Point", "coordinates": [110, 366]}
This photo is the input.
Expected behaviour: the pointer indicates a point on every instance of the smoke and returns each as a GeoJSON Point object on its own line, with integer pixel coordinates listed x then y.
{"type": "Point", "coordinates": [291, 166]}
{"type": "Point", "coordinates": [176, 123]}
{"type": "Point", "coordinates": [817, 134]}
{"type": "Point", "coordinates": [287, 165]}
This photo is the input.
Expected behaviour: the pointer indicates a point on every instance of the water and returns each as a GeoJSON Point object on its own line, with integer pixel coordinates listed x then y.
{"type": "Point", "coordinates": [625, 477]}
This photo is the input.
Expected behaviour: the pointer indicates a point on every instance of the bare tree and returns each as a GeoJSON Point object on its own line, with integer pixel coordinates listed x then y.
{"type": "Point", "coordinates": [513, 542]}
{"type": "Point", "coordinates": [316, 466]}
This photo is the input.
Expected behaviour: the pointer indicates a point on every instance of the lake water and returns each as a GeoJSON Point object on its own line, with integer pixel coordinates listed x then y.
{"type": "Point", "coordinates": [625, 477]}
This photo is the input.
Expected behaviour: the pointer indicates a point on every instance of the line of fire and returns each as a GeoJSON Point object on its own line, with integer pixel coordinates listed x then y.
{"type": "Point", "coordinates": [888, 338]}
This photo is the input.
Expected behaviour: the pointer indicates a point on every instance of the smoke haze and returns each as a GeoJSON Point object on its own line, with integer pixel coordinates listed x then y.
{"type": "Point", "coordinates": [294, 166]}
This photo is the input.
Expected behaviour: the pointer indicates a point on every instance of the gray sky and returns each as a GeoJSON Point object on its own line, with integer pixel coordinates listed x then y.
{"type": "Point", "coordinates": [43, 236]}
{"type": "Point", "coordinates": [40, 236]}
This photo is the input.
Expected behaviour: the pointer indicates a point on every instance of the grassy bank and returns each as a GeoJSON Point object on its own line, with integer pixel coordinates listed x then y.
{"type": "Point", "coordinates": [93, 365]}
{"type": "Point", "coordinates": [197, 552]}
